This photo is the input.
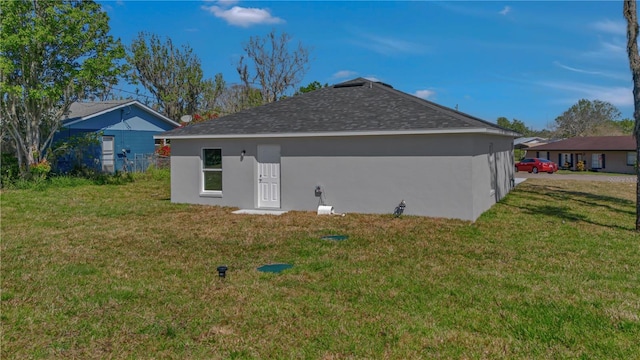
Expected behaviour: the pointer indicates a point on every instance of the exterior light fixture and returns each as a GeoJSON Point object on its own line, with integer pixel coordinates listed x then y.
{"type": "Point", "coordinates": [222, 271]}
{"type": "Point", "coordinates": [242, 154]}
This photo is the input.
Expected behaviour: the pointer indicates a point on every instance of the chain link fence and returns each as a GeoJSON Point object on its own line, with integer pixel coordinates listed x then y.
{"type": "Point", "coordinates": [141, 162]}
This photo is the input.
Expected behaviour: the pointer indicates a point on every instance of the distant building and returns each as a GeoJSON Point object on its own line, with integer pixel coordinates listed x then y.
{"type": "Point", "coordinates": [127, 128]}
{"type": "Point", "coordinates": [616, 154]}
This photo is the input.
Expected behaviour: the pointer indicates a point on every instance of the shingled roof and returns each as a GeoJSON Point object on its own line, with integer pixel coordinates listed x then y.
{"type": "Point", "coordinates": [591, 143]}
{"type": "Point", "coordinates": [79, 111]}
{"type": "Point", "coordinates": [353, 107]}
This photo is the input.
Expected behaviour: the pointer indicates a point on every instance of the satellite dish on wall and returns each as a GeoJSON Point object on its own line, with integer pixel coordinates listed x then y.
{"type": "Point", "coordinates": [185, 118]}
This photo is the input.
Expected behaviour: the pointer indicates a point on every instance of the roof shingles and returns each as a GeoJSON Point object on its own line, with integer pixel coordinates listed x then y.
{"type": "Point", "coordinates": [591, 143]}
{"type": "Point", "coordinates": [79, 110]}
{"type": "Point", "coordinates": [362, 106]}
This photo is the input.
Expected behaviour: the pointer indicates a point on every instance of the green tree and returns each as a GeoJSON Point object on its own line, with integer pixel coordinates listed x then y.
{"type": "Point", "coordinates": [173, 75]}
{"type": "Point", "coordinates": [585, 118]}
{"type": "Point", "coordinates": [629, 10]}
{"type": "Point", "coordinates": [515, 125]}
{"type": "Point", "coordinates": [276, 68]}
{"type": "Point", "coordinates": [312, 86]}
{"type": "Point", "coordinates": [625, 126]}
{"type": "Point", "coordinates": [52, 53]}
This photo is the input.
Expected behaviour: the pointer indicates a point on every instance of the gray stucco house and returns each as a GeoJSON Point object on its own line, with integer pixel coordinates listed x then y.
{"type": "Point", "coordinates": [362, 145]}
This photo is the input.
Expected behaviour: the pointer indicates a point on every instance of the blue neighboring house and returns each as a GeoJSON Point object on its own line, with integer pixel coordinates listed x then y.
{"type": "Point", "coordinates": [127, 128]}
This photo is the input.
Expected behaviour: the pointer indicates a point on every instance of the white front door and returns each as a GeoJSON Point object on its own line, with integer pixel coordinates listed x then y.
{"type": "Point", "coordinates": [107, 154]}
{"type": "Point", "coordinates": [269, 176]}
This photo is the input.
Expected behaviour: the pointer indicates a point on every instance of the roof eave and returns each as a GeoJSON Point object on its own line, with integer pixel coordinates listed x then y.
{"type": "Point", "coordinates": [583, 149]}
{"type": "Point", "coordinates": [342, 134]}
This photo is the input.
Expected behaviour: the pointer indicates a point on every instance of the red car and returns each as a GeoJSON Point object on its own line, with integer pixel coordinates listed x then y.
{"type": "Point", "coordinates": [536, 165]}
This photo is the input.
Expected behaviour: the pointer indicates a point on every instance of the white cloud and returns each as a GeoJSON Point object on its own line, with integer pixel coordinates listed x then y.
{"type": "Point", "coordinates": [424, 94]}
{"type": "Point", "coordinates": [614, 48]}
{"type": "Point", "coordinates": [606, 74]}
{"type": "Point", "coordinates": [505, 11]}
{"type": "Point", "coordinates": [616, 95]}
{"type": "Point", "coordinates": [386, 45]}
{"type": "Point", "coordinates": [243, 17]}
{"type": "Point", "coordinates": [611, 27]}
{"type": "Point", "coordinates": [608, 49]}
{"type": "Point", "coordinates": [372, 78]}
{"type": "Point", "coordinates": [464, 9]}
{"type": "Point", "coordinates": [227, 3]}
{"type": "Point", "coordinates": [344, 74]}
{"type": "Point", "coordinates": [581, 71]}
{"type": "Point", "coordinates": [389, 45]}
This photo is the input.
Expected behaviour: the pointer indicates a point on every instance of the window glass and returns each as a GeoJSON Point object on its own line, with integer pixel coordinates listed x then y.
{"type": "Point", "coordinates": [596, 161]}
{"type": "Point", "coordinates": [212, 158]}
{"type": "Point", "coordinates": [212, 169]}
{"type": "Point", "coordinates": [631, 158]}
{"type": "Point", "coordinates": [213, 180]}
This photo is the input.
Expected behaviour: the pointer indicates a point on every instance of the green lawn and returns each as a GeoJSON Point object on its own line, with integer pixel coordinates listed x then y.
{"type": "Point", "coordinates": [118, 271]}
{"type": "Point", "coordinates": [571, 172]}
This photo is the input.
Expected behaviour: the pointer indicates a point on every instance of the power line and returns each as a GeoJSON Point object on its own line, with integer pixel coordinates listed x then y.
{"type": "Point", "coordinates": [135, 93]}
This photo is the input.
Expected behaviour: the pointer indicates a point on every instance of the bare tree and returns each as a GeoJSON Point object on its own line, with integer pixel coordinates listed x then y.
{"type": "Point", "coordinates": [173, 75]}
{"type": "Point", "coordinates": [237, 98]}
{"type": "Point", "coordinates": [277, 69]}
{"type": "Point", "coordinates": [631, 15]}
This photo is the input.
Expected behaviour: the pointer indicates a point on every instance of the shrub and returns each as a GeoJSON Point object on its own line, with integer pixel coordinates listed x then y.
{"type": "Point", "coordinates": [9, 170]}
{"type": "Point", "coordinates": [76, 154]}
{"type": "Point", "coordinates": [164, 150]}
{"type": "Point", "coordinates": [41, 169]}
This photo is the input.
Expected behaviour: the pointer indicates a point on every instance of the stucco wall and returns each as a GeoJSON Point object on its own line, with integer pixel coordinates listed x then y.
{"type": "Point", "coordinates": [238, 180]}
{"type": "Point", "coordinates": [437, 175]}
{"type": "Point", "coordinates": [493, 171]}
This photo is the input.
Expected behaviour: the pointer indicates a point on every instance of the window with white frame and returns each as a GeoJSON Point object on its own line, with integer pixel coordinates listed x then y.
{"type": "Point", "coordinates": [597, 161]}
{"type": "Point", "coordinates": [212, 170]}
{"type": "Point", "coordinates": [631, 158]}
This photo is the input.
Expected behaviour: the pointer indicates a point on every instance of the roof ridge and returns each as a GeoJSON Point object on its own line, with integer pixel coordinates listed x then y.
{"type": "Point", "coordinates": [347, 107]}
{"type": "Point", "coordinates": [106, 101]}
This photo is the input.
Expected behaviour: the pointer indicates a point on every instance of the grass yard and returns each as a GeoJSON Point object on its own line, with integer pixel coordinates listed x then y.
{"type": "Point", "coordinates": [118, 271]}
{"type": "Point", "coordinates": [601, 173]}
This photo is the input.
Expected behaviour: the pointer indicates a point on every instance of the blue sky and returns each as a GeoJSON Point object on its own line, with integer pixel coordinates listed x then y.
{"type": "Point", "coordinates": [525, 60]}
